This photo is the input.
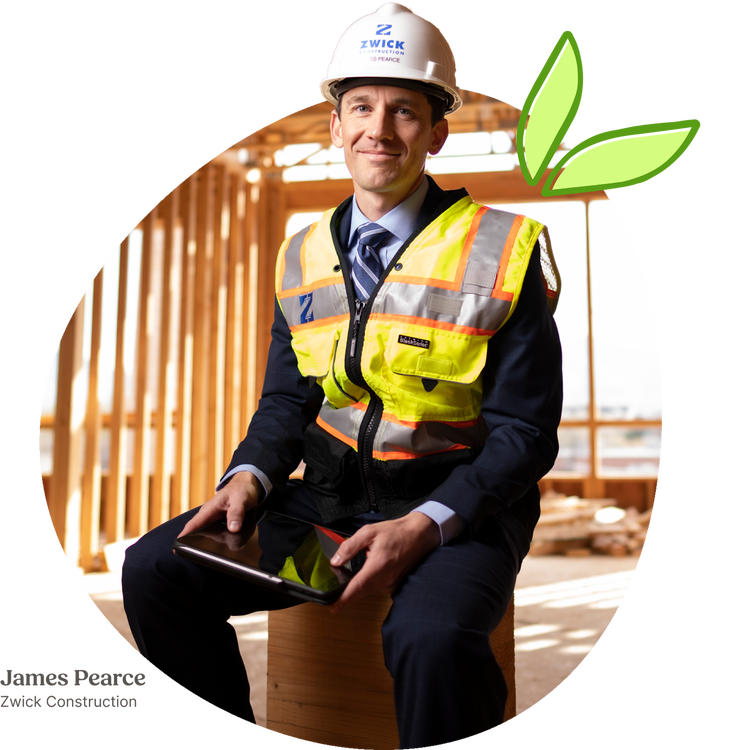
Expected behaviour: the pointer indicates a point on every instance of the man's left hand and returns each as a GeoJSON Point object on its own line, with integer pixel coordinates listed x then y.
{"type": "Point", "coordinates": [393, 548]}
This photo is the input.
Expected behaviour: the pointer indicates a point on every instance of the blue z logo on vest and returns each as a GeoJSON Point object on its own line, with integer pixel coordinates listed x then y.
{"type": "Point", "coordinates": [306, 311]}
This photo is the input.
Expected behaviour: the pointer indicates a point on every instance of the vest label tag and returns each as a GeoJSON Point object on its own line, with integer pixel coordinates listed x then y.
{"type": "Point", "coordinates": [411, 341]}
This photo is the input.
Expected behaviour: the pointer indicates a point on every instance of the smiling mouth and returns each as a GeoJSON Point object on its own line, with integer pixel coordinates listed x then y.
{"type": "Point", "coordinates": [378, 155]}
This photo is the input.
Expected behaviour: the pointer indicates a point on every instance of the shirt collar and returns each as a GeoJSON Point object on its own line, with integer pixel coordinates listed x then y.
{"type": "Point", "coordinates": [399, 221]}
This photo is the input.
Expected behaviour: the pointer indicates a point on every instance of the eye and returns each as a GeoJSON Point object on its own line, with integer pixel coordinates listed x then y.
{"type": "Point", "coordinates": [405, 112]}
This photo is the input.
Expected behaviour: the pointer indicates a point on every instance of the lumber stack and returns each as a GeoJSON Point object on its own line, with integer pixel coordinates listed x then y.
{"type": "Point", "coordinates": [575, 526]}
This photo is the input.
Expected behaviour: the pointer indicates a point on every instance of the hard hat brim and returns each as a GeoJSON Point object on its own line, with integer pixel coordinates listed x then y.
{"type": "Point", "coordinates": [333, 88]}
{"type": "Point", "coordinates": [339, 87]}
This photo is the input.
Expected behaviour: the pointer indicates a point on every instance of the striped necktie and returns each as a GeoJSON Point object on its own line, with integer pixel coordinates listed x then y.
{"type": "Point", "coordinates": [367, 268]}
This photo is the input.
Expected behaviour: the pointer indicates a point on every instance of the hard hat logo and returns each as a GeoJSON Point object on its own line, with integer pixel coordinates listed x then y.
{"type": "Point", "coordinates": [393, 43]}
{"type": "Point", "coordinates": [382, 43]}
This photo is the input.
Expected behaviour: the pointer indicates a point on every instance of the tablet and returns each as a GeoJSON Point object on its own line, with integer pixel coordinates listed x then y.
{"type": "Point", "coordinates": [278, 552]}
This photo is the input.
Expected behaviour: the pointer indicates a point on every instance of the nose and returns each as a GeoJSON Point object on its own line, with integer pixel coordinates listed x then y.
{"type": "Point", "coordinates": [380, 127]}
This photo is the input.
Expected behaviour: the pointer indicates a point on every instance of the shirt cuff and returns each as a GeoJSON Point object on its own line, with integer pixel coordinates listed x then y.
{"type": "Point", "coordinates": [448, 521]}
{"type": "Point", "coordinates": [255, 471]}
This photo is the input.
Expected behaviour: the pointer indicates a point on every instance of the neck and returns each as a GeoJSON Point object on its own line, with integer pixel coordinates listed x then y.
{"type": "Point", "coordinates": [374, 205]}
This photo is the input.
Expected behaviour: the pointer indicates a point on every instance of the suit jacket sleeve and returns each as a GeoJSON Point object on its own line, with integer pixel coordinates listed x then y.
{"type": "Point", "coordinates": [287, 406]}
{"type": "Point", "coordinates": [521, 404]}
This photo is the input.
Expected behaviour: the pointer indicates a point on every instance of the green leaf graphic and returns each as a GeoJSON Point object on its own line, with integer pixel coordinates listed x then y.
{"type": "Point", "coordinates": [621, 157]}
{"type": "Point", "coordinates": [550, 108]}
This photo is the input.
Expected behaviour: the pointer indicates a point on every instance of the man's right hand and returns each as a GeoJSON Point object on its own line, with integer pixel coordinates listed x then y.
{"type": "Point", "coordinates": [239, 495]}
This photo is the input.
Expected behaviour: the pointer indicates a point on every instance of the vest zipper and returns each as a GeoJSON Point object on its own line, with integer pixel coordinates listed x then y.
{"type": "Point", "coordinates": [358, 307]}
{"type": "Point", "coordinates": [333, 372]}
{"type": "Point", "coordinates": [373, 413]}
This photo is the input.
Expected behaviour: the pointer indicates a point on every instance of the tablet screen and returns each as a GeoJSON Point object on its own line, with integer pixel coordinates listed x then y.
{"type": "Point", "coordinates": [277, 551]}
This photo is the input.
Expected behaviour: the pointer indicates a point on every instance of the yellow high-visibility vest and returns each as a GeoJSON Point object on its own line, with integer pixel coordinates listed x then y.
{"type": "Point", "coordinates": [401, 374]}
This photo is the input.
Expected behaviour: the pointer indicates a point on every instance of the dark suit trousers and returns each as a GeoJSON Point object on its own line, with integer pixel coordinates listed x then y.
{"type": "Point", "coordinates": [447, 684]}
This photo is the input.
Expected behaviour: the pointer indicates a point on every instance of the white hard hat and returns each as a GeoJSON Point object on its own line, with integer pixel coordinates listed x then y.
{"type": "Point", "coordinates": [393, 43]}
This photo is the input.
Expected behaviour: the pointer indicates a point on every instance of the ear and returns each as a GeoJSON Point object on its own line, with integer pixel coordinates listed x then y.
{"type": "Point", "coordinates": [439, 136]}
{"type": "Point", "coordinates": [338, 141]}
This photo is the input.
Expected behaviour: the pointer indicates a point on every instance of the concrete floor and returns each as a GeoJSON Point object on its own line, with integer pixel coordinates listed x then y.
{"type": "Point", "coordinates": [563, 605]}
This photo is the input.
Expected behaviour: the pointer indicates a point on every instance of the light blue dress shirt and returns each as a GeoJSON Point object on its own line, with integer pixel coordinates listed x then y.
{"type": "Point", "coordinates": [400, 222]}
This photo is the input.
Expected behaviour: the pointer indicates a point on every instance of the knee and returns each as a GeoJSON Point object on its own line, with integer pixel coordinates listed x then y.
{"type": "Point", "coordinates": [150, 561]}
{"type": "Point", "coordinates": [143, 555]}
{"type": "Point", "coordinates": [139, 569]}
{"type": "Point", "coordinates": [438, 660]}
{"type": "Point", "coordinates": [429, 643]}
{"type": "Point", "coordinates": [138, 555]}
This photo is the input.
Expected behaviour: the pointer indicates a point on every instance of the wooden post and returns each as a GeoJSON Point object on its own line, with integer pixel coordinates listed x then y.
{"type": "Point", "coordinates": [114, 509]}
{"type": "Point", "coordinates": [138, 511]}
{"type": "Point", "coordinates": [250, 390]}
{"type": "Point", "coordinates": [201, 299]}
{"type": "Point", "coordinates": [217, 337]}
{"type": "Point", "coordinates": [92, 471]}
{"type": "Point", "coordinates": [160, 502]}
{"type": "Point", "coordinates": [235, 277]}
{"type": "Point", "coordinates": [271, 231]}
{"type": "Point", "coordinates": [183, 407]}
{"type": "Point", "coordinates": [65, 495]}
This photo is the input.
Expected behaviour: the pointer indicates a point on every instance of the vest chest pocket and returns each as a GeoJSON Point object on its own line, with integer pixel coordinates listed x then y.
{"type": "Point", "coordinates": [318, 350]}
{"type": "Point", "coordinates": [434, 374]}
{"type": "Point", "coordinates": [314, 348]}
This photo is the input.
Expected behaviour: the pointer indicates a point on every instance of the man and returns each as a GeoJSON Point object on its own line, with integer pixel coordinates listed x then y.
{"type": "Point", "coordinates": [415, 366]}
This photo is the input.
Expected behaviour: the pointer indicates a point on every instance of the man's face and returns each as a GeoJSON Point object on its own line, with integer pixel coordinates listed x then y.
{"type": "Point", "coordinates": [386, 135]}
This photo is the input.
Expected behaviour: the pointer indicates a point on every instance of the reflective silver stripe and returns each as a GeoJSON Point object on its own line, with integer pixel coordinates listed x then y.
{"type": "Point", "coordinates": [413, 300]}
{"type": "Point", "coordinates": [428, 437]}
{"type": "Point", "coordinates": [472, 306]}
{"type": "Point", "coordinates": [486, 251]}
{"type": "Point", "coordinates": [327, 301]}
{"type": "Point", "coordinates": [293, 261]}
{"type": "Point", "coordinates": [346, 420]}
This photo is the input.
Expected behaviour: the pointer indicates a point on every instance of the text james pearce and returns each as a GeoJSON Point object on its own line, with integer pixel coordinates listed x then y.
{"type": "Point", "coordinates": [80, 677]}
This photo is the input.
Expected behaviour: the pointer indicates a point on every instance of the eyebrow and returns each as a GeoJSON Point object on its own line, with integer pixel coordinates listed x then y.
{"type": "Point", "coordinates": [365, 99]}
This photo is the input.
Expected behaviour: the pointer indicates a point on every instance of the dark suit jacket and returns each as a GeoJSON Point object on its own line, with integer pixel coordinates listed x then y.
{"type": "Point", "coordinates": [522, 402]}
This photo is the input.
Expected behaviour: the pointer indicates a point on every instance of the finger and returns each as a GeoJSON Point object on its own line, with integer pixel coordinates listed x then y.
{"type": "Point", "coordinates": [235, 516]}
{"type": "Point", "coordinates": [361, 585]}
{"type": "Point", "coordinates": [242, 496]}
{"type": "Point", "coordinates": [346, 551]}
{"type": "Point", "coordinates": [210, 512]}
{"type": "Point", "coordinates": [207, 514]}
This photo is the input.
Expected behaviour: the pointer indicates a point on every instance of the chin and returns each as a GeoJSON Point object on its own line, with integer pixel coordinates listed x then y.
{"type": "Point", "coordinates": [377, 185]}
